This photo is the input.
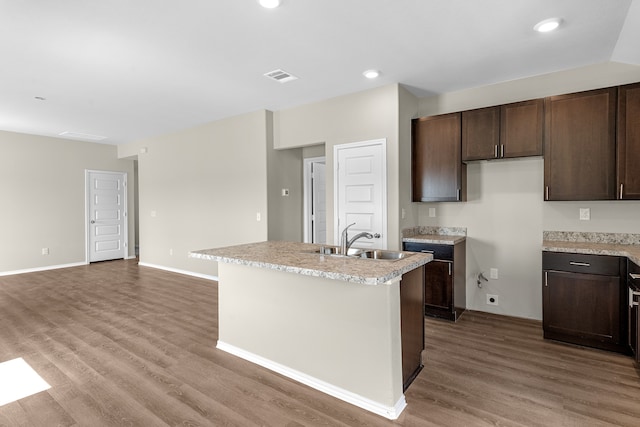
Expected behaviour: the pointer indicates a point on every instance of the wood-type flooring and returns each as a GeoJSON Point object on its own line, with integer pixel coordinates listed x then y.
{"type": "Point", "coordinates": [124, 345]}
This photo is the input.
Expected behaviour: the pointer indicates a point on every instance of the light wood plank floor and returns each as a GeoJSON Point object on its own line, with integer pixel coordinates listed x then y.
{"type": "Point", "coordinates": [123, 345]}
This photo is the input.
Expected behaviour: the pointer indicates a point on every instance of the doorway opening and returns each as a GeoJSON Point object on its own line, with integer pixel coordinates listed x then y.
{"type": "Point", "coordinates": [315, 200]}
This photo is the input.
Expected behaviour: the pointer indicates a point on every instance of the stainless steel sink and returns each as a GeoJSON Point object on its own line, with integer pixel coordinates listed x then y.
{"type": "Point", "coordinates": [383, 255]}
{"type": "Point", "coordinates": [372, 254]}
{"type": "Point", "coordinates": [335, 251]}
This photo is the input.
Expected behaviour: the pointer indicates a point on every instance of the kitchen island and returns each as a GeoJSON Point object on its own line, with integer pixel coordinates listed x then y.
{"type": "Point", "coordinates": [350, 327]}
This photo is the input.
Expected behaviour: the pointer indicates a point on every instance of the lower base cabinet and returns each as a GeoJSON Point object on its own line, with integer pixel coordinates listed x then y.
{"type": "Point", "coordinates": [584, 300]}
{"type": "Point", "coordinates": [445, 293]}
{"type": "Point", "coordinates": [412, 324]}
{"type": "Point", "coordinates": [634, 310]}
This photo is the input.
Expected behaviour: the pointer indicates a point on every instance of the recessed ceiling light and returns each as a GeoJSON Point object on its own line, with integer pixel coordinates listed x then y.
{"type": "Point", "coordinates": [371, 74]}
{"type": "Point", "coordinates": [269, 4]}
{"type": "Point", "coordinates": [547, 25]}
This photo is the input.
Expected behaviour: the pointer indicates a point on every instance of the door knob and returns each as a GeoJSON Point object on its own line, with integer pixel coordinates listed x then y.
{"type": "Point", "coordinates": [377, 235]}
{"type": "Point", "coordinates": [93, 221]}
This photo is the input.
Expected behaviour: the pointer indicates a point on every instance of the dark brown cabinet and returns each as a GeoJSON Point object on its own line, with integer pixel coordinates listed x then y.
{"type": "Point", "coordinates": [584, 299]}
{"type": "Point", "coordinates": [580, 146]}
{"type": "Point", "coordinates": [504, 131]}
{"type": "Point", "coordinates": [444, 279]}
{"type": "Point", "coordinates": [412, 324]}
{"type": "Point", "coordinates": [438, 173]}
{"type": "Point", "coordinates": [628, 149]}
{"type": "Point", "coordinates": [521, 129]}
{"type": "Point", "coordinates": [481, 134]}
{"type": "Point", "coordinates": [634, 310]}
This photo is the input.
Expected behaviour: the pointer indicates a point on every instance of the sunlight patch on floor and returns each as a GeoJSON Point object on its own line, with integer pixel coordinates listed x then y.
{"type": "Point", "coordinates": [18, 380]}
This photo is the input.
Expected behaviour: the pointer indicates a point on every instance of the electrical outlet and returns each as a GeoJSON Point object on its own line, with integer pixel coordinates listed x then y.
{"type": "Point", "coordinates": [492, 299]}
{"type": "Point", "coordinates": [432, 212]}
{"type": "Point", "coordinates": [493, 273]}
{"type": "Point", "coordinates": [285, 192]}
{"type": "Point", "coordinates": [258, 216]}
{"type": "Point", "coordinates": [45, 251]}
{"type": "Point", "coordinates": [585, 214]}
{"type": "Point", "coordinates": [403, 213]}
{"type": "Point", "coordinates": [171, 252]}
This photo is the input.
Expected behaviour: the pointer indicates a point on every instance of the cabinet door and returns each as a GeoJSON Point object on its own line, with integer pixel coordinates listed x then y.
{"type": "Point", "coordinates": [438, 286]}
{"type": "Point", "coordinates": [521, 128]}
{"type": "Point", "coordinates": [437, 170]}
{"type": "Point", "coordinates": [481, 134]}
{"type": "Point", "coordinates": [581, 308]}
{"type": "Point", "coordinates": [628, 155]}
{"type": "Point", "coordinates": [579, 162]}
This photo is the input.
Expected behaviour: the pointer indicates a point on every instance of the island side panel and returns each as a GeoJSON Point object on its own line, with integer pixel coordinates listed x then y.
{"type": "Point", "coordinates": [342, 333]}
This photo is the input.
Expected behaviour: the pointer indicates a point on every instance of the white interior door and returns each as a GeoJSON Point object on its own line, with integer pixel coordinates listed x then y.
{"type": "Point", "coordinates": [106, 215]}
{"type": "Point", "coordinates": [360, 191]}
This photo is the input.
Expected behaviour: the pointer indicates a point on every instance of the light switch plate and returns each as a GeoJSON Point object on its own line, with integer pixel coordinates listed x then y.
{"type": "Point", "coordinates": [585, 214]}
{"type": "Point", "coordinates": [432, 212]}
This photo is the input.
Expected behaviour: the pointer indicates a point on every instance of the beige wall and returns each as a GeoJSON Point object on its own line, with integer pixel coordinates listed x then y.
{"type": "Point", "coordinates": [362, 116]}
{"type": "Point", "coordinates": [317, 327]}
{"type": "Point", "coordinates": [42, 182]}
{"type": "Point", "coordinates": [205, 186]}
{"type": "Point", "coordinates": [506, 214]}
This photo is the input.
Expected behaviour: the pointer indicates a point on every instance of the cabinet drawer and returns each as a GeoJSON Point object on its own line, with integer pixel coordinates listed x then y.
{"type": "Point", "coordinates": [442, 252]}
{"type": "Point", "coordinates": [581, 263]}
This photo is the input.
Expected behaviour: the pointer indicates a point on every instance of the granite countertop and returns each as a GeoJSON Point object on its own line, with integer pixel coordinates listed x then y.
{"type": "Point", "coordinates": [300, 258]}
{"type": "Point", "coordinates": [435, 235]}
{"type": "Point", "coordinates": [615, 244]}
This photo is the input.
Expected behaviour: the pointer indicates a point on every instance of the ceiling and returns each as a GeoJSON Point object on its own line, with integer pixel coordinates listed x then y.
{"type": "Point", "coordinates": [133, 69]}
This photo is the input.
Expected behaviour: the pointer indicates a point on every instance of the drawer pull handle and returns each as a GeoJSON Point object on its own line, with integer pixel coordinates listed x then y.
{"type": "Point", "coordinates": [424, 251]}
{"type": "Point", "coordinates": [580, 264]}
{"type": "Point", "coordinates": [632, 295]}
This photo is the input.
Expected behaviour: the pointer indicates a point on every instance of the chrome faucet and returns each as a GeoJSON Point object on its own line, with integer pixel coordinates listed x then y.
{"type": "Point", "coordinates": [345, 242]}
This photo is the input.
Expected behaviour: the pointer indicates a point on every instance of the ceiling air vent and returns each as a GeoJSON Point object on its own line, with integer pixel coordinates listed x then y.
{"type": "Point", "coordinates": [280, 76]}
{"type": "Point", "coordinates": [84, 136]}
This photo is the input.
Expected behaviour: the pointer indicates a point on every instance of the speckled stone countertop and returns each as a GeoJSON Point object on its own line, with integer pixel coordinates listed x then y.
{"type": "Point", "coordinates": [435, 235]}
{"type": "Point", "coordinates": [300, 258]}
{"type": "Point", "coordinates": [616, 244]}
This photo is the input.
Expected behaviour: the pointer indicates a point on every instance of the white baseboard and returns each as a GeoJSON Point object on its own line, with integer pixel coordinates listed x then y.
{"type": "Point", "coordinates": [390, 412]}
{"type": "Point", "coordinates": [175, 270]}
{"type": "Point", "coordinates": [45, 268]}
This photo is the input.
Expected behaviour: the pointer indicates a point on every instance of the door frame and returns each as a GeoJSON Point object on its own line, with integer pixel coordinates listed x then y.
{"type": "Point", "coordinates": [87, 211]}
{"type": "Point", "coordinates": [307, 191]}
{"type": "Point", "coordinates": [336, 185]}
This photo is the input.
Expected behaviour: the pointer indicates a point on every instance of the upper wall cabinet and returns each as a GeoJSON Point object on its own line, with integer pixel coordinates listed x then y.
{"type": "Point", "coordinates": [504, 131]}
{"type": "Point", "coordinates": [521, 129]}
{"type": "Point", "coordinates": [580, 146]}
{"type": "Point", "coordinates": [628, 150]}
{"type": "Point", "coordinates": [481, 134]}
{"type": "Point", "coordinates": [438, 173]}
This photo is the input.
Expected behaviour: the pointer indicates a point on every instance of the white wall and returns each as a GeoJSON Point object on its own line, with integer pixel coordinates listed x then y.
{"type": "Point", "coordinates": [205, 186]}
{"type": "Point", "coordinates": [42, 183]}
{"type": "Point", "coordinates": [506, 214]}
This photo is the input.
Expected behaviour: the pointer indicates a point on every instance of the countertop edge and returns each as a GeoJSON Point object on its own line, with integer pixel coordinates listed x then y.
{"type": "Point", "coordinates": [632, 252]}
{"type": "Point", "coordinates": [435, 239]}
{"type": "Point", "coordinates": [320, 273]}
